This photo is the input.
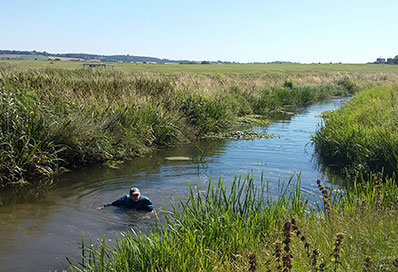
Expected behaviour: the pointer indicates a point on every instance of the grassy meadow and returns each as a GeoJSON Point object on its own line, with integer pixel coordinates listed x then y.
{"type": "Point", "coordinates": [238, 69]}
{"type": "Point", "coordinates": [56, 119]}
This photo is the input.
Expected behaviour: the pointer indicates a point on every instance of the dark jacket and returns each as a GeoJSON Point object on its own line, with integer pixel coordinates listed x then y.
{"type": "Point", "coordinates": [143, 204]}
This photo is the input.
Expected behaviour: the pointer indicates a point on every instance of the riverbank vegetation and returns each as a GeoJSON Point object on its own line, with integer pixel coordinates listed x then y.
{"type": "Point", "coordinates": [56, 119]}
{"type": "Point", "coordinates": [362, 136]}
{"type": "Point", "coordinates": [244, 228]}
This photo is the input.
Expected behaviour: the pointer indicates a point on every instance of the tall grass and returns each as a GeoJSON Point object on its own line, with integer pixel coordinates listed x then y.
{"type": "Point", "coordinates": [208, 231]}
{"type": "Point", "coordinates": [54, 118]}
{"type": "Point", "coordinates": [242, 227]}
{"type": "Point", "coordinates": [361, 137]}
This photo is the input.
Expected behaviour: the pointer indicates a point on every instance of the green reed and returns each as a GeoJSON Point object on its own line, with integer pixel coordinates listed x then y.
{"type": "Point", "coordinates": [234, 228]}
{"type": "Point", "coordinates": [361, 137]}
{"type": "Point", "coordinates": [52, 119]}
{"type": "Point", "coordinates": [206, 230]}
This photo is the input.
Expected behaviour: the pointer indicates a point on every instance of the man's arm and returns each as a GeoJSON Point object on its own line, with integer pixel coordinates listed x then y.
{"type": "Point", "coordinates": [117, 203]}
{"type": "Point", "coordinates": [105, 205]}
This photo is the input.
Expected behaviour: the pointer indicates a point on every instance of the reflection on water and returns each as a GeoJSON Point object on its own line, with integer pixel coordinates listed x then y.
{"type": "Point", "coordinates": [43, 230]}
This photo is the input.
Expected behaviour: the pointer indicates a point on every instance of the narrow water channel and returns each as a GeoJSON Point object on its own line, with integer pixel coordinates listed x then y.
{"type": "Point", "coordinates": [37, 235]}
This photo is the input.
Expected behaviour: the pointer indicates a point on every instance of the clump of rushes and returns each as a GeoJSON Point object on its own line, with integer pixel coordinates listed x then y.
{"type": "Point", "coordinates": [360, 138]}
{"type": "Point", "coordinates": [210, 230]}
{"type": "Point", "coordinates": [325, 196]}
{"type": "Point", "coordinates": [215, 226]}
{"type": "Point", "coordinates": [252, 262]}
{"type": "Point", "coordinates": [337, 251]}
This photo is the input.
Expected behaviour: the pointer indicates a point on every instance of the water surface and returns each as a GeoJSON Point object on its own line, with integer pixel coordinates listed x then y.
{"type": "Point", "coordinates": [37, 235]}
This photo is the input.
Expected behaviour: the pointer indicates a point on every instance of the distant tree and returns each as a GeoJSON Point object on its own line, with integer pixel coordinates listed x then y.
{"type": "Point", "coordinates": [395, 60]}
{"type": "Point", "coordinates": [205, 62]}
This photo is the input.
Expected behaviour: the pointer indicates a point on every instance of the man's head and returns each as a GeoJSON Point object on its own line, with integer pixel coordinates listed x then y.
{"type": "Point", "coordinates": [135, 194]}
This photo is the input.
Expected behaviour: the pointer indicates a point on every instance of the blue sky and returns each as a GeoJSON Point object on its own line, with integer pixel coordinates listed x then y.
{"type": "Point", "coordinates": [244, 31]}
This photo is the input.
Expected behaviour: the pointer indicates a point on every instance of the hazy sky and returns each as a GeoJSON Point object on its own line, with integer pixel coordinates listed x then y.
{"type": "Point", "coordinates": [306, 31]}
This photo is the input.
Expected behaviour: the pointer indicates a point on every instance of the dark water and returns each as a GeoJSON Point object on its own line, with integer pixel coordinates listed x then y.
{"type": "Point", "coordinates": [38, 234]}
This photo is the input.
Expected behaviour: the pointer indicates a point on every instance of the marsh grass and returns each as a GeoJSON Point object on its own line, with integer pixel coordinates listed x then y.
{"type": "Point", "coordinates": [361, 137]}
{"type": "Point", "coordinates": [210, 230]}
{"type": "Point", "coordinates": [52, 119]}
{"type": "Point", "coordinates": [243, 228]}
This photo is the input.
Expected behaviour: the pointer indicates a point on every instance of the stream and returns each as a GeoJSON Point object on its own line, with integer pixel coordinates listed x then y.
{"type": "Point", "coordinates": [37, 235]}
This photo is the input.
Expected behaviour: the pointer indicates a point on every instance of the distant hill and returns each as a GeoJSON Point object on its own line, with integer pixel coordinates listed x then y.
{"type": "Point", "coordinates": [16, 54]}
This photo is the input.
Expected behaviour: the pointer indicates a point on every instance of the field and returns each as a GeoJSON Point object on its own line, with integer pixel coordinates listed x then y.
{"type": "Point", "coordinates": [241, 69]}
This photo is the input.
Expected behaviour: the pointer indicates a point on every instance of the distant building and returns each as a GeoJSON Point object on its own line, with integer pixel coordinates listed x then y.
{"type": "Point", "coordinates": [390, 61]}
{"type": "Point", "coordinates": [381, 60]}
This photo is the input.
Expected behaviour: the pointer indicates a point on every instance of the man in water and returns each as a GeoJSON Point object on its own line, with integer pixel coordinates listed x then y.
{"type": "Point", "coordinates": [133, 200]}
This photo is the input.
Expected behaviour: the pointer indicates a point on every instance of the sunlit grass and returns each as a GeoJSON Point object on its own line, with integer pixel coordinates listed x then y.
{"type": "Point", "coordinates": [53, 118]}
{"type": "Point", "coordinates": [361, 137]}
{"type": "Point", "coordinates": [243, 69]}
{"type": "Point", "coordinates": [239, 228]}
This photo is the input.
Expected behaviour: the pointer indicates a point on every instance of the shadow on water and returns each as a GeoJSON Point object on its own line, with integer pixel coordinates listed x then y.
{"type": "Point", "coordinates": [51, 218]}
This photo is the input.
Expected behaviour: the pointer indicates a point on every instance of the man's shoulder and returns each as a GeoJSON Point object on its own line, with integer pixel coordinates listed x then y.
{"type": "Point", "coordinates": [144, 198]}
{"type": "Point", "coordinates": [124, 198]}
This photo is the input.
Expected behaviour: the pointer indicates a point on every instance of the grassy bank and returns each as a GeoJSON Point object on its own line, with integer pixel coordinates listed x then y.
{"type": "Point", "coordinates": [52, 119]}
{"type": "Point", "coordinates": [362, 136]}
{"type": "Point", "coordinates": [243, 228]}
